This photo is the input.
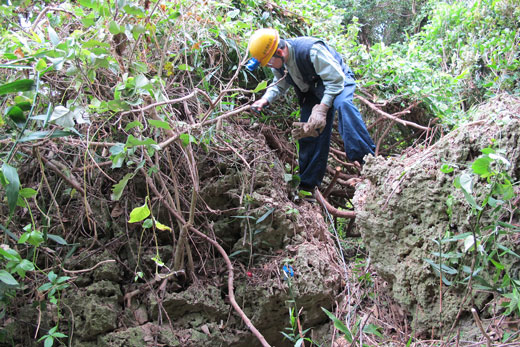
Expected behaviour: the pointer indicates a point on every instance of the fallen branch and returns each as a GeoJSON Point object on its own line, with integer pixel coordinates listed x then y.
{"type": "Point", "coordinates": [389, 116]}
{"type": "Point", "coordinates": [90, 269]}
{"type": "Point", "coordinates": [332, 210]}
{"type": "Point", "coordinates": [479, 324]}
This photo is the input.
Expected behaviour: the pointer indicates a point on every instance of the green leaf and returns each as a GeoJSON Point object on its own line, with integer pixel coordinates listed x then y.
{"type": "Point", "coordinates": [27, 192]}
{"type": "Point", "coordinates": [466, 183]}
{"type": "Point", "coordinates": [147, 224]}
{"type": "Point", "coordinates": [185, 67]}
{"type": "Point", "coordinates": [114, 28]}
{"type": "Point", "coordinates": [445, 168]}
{"type": "Point", "coordinates": [16, 114]}
{"type": "Point", "coordinates": [44, 287]}
{"type": "Point", "coordinates": [53, 37]}
{"type": "Point", "coordinates": [7, 278]}
{"type": "Point", "coordinates": [138, 30]}
{"type": "Point", "coordinates": [132, 142]}
{"type": "Point", "coordinates": [26, 265]}
{"type": "Point", "coordinates": [445, 268]}
{"type": "Point", "coordinates": [187, 139]}
{"type": "Point", "coordinates": [162, 227]}
{"type": "Point", "coordinates": [134, 10]}
{"type": "Point", "coordinates": [10, 254]}
{"type": "Point", "coordinates": [139, 213]}
{"type": "Point", "coordinates": [23, 105]}
{"type": "Point", "coordinates": [17, 86]}
{"type": "Point", "coordinates": [39, 135]}
{"type": "Point", "coordinates": [57, 239]}
{"type": "Point", "coordinates": [118, 188]}
{"type": "Point", "coordinates": [265, 215]}
{"type": "Point", "coordinates": [507, 250]}
{"type": "Point", "coordinates": [13, 187]}
{"type": "Point", "coordinates": [24, 238]}
{"type": "Point", "coordinates": [35, 238]}
{"type": "Point", "coordinates": [339, 325]}
{"type": "Point", "coordinates": [159, 124]}
{"type": "Point", "coordinates": [49, 341]}
{"type": "Point", "coordinates": [481, 166]}
{"type": "Point", "coordinates": [261, 86]}
{"type": "Point", "coordinates": [372, 329]}
{"type": "Point", "coordinates": [93, 4]}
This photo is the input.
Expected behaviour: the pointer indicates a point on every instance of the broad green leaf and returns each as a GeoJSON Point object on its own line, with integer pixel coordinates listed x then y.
{"type": "Point", "coordinates": [17, 86]}
{"type": "Point", "coordinates": [62, 116]}
{"type": "Point", "coordinates": [134, 124]}
{"type": "Point", "coordinates": [139, 213]}
{"type": "Point", "coordinates": [118, 188]}
{"type": "Point", "coordinates": [114, 28]}
{"type": "Point", "coordinates": [466, 183]}
{"type": "Point", "coordinates": [16, 114]}
{"type": "Point", "coordinates": [44, 287]}
{"type": "Point", "coordinates": [27, 192]}
{"type": "Point", "coordinates": [10, 254]}
{"type": "Point", "coordinates": [132, 142]}
{"type": "Point", "coordinates": [162, 226]}
{"type": "Point", "coordinates": [261, 86]}
{"type": "Point", "coordinates": [23, 239]}
{"type": "Point", "coordinates": [53, 37]}
{"type": "Point", "coordinates": [24, 105]}
{"type": "Point", "coordinates": [138, 30]}
{"type": "Point", "coordinates": [57, 239]}
{"type": "Point", "coordinates": [35, 238]}
{"type": "Point", "coordinates": [481, 166]}
{"type": "Point", "coordinates": [134, 10]}
{"type": "Point", "coordinates": [26, 265]}
{"type": "Point", "coordinates": [159, 124]}
{"type": "Point", "coordinates": [13, 187]}
{"type": "Point", "coordinates": [187, 139]}
{"type": "Point", "coordinates": [7, 278]}
{"type": "Point", "coordinates": [93, 4]}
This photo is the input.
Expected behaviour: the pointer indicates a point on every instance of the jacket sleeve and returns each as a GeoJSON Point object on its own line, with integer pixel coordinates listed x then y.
{"type": "Point", "coordinates": [329, 71]}
{"type": "Point", "coordinates": [278, 89]}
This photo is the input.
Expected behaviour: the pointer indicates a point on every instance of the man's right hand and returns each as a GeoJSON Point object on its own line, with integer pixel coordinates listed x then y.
{"type": "Point", "coordinates": [303, 129]}
{"type": "Point", "coordinates": [259, 105]}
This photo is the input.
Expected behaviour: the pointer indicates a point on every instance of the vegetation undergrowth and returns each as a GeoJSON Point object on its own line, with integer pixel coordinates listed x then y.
{"type": "Point", "coordinates": [136, 90]}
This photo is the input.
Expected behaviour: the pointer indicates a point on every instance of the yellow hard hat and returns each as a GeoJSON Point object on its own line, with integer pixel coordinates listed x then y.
{"type": "Point", "coordinates": [262, 45]}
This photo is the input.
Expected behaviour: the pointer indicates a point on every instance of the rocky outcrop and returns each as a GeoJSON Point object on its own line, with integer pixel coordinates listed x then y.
{"type": "Point", "coordinates": [408, 204]}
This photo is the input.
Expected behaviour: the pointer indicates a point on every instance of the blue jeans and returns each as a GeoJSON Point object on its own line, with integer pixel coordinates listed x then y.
{"type": "Point", "coordinates": [314, 151]}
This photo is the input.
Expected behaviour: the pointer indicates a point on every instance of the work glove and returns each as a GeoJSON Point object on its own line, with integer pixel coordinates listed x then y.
{"type": "Point", "coordinates": [314, 126]}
